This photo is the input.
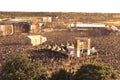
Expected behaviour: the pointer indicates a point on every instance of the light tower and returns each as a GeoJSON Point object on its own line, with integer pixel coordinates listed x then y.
{"type": "Point", "coordinates": [83, 44]}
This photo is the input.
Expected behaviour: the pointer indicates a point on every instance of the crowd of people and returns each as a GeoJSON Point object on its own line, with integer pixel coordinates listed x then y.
{"type": "Point", "coordinates": [108, 48]}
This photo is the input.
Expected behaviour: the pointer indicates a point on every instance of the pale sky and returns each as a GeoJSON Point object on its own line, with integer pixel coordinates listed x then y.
{"type": "Point", "coordinates": [104, 6]}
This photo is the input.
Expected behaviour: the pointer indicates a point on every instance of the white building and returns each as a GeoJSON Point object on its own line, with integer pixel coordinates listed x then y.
{"type": "Point", "coordinates": [47, 19]}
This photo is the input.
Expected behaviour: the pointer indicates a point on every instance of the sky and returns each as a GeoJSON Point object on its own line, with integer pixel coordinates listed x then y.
{"type": "Point", "coordinates": [102, 6]}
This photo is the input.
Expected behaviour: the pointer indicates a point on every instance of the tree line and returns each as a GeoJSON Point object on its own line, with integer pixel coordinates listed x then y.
{"type": "Point", "coordinates": [63, 15]}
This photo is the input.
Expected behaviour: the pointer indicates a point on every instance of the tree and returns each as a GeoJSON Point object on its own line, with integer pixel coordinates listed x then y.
{"type": "Point", "coordinates": [19, 67]}
{"type": "Point", "coordinates": [62, 74]}
{"type": "Point", "coordinates": [97, 71]}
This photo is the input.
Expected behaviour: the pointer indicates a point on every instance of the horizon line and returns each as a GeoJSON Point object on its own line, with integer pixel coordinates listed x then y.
{"type": "Point", "coordinates": [65, 12]}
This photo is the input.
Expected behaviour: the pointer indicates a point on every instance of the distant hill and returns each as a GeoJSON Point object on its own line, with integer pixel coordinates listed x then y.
{"type": "Point", "coordinates": [75, 16]}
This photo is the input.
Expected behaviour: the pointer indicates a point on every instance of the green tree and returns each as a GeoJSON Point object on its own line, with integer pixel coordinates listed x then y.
{"type": "Point", "coordinates": [97, 71]}
{"type": "Point", "coordinates": [62, 74]}
{"type": "Point", "coordinates": [19, 67]}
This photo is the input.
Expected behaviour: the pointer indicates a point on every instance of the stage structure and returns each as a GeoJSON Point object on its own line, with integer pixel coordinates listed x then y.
{"type": "Point", "coordinates": [37, 39]}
